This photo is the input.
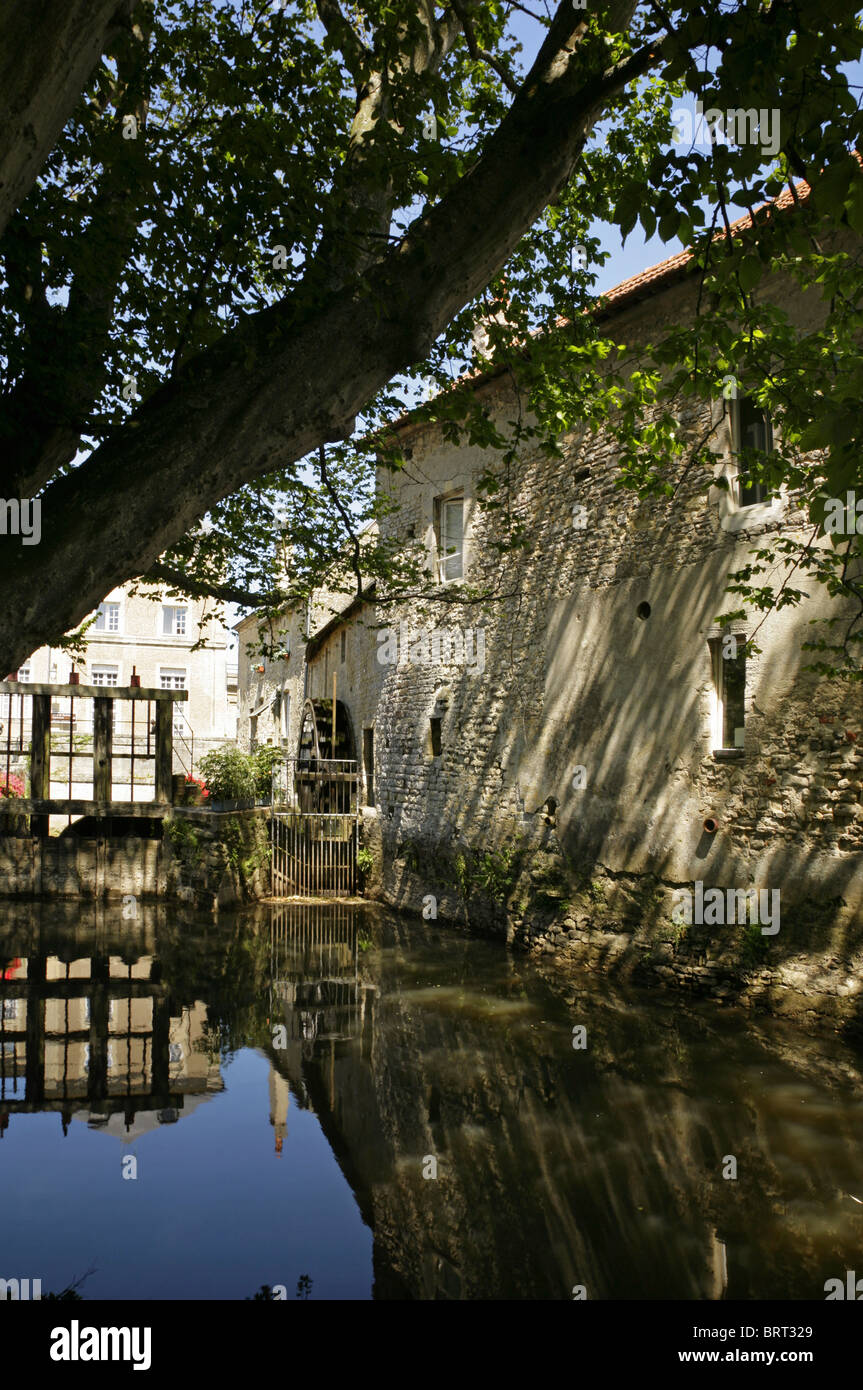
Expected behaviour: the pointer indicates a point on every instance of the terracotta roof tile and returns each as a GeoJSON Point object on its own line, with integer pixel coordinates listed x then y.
{"type": "Point", "coordinates": [636, 287]}
{"type": "Point", "coordinates": [655, 275]}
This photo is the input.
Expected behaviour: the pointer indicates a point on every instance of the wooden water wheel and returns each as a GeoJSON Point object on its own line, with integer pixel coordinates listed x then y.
{"type": "Point", "coordinates": [326, 775]}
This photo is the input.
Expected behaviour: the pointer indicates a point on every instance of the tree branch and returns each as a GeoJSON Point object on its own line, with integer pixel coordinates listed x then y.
{"type": "Point", "coordinates": [481, 54]}
{"type": "Point", "coordinates": [47, 52]}
{"type": "Point", "coordinates": [197, 587]}
{"type": "Point", "coordinates": [345, 516]}
{"type": "Point", "coordinates": [296, 374]}
{"type": "Point", "coordinates": [43, 416]}
{"type": "Point", "coordinates": [357, 57]}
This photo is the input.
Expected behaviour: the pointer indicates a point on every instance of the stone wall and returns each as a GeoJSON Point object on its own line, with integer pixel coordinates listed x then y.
{"type": "Point", "coordinates": [597, 657]}
{"type": "Point", "coordinates": [207, 859]}
{"type": "Point", "coordinates": [218, 860]}
{"type": "Point", "coordinates": [81, 868]}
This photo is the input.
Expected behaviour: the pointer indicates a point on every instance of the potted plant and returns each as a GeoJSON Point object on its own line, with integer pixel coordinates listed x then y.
{"type": "Point", "coordinates": [230, 778]}
{"type": "Point", "coordinates": [195, 791]}
{"type": "Point", "coordinates": [12, 789]}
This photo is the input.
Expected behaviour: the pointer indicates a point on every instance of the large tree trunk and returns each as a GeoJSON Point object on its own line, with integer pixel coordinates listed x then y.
{"type": "Point", "coordinates": [278, 387]}
{"type": "Point", "coordinates": [48, 48]}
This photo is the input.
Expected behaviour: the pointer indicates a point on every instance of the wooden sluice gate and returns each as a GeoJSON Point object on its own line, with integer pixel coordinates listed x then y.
{"type": "Point", "coordinates": [315, 809]}
{"type": "Point", "coordinates": [39, 726]}
{"type": "Point", "coordinates": [314, 856]}
{"type": "Point", "coordinates": [315, 988]}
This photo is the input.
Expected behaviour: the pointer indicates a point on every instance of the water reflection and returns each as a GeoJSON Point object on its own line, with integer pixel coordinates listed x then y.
{"type": "Point", "coordinates": [378, 1050]}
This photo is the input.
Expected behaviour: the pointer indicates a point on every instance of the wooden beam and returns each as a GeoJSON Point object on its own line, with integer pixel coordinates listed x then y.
{"type": "Point", "coordinates": [92, 692]}
{"type": "Point", "coordinates": [164, 764]}
{"type": "Point", "coordinates": [103, 733]}
{"type": "Point", "coordinates": [40, 759]}
{"type": "Point", "coordinates": [39, 807]}
{"type": "Point", "coordinates": [335, 688]}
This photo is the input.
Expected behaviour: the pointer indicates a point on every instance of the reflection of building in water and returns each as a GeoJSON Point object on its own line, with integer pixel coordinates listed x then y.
{"type": "Point", "coordinates": [280, 1096]}
{"type": "Point", "coordinates": [97, 1036]}
{"type": "Point", "coordinates": [315, 973]}
{"type": "Point", "coordinates": [316, 994]}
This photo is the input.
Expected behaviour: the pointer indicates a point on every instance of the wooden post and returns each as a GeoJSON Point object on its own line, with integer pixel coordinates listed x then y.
{"type": "Point", "coordinates": [103, 735]}
{"type": "Point", "coordinates": [40, 760]}
{"type": "Point", "coordinates": [334, 698]}
{"type": "Point", "coordinates": [164, 750]}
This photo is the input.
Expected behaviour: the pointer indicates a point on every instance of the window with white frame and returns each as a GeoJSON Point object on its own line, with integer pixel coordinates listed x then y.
{"type": "Point", "coordinates": [104, 675]}
{"type": "Point", "coordinates": [174, 679]}
{"type": "Point", "coordinates": [24, 672]}
{"type": "Point", "coordinates": [752, 434]}
{"type": "Point", "coordinates": [107, 618]}
{"type": "Point", "coordinates": [174, 620]}
{"type": "Point", "coordinates": [728, 657]}
{"type": "Point", "coordinates": [449, 538]}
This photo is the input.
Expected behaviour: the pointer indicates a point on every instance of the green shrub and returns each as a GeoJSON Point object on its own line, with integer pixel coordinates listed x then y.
{"type": "Point", "coordinates": [365, 860]}
{"type": "Point", "coordinates": [264, 759]}
{"type": "Point", "coordinates": [753, 946]}
{"type": "Point", "coordinates": [497, 872]}
{"type": "Point", "coordinates": [185, 839]}
{"type": "Point", "coordinates": [230, 774]}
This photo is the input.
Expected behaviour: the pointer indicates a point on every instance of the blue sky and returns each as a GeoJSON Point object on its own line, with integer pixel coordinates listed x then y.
{"type": "Point", "coordinates": [638, 253]}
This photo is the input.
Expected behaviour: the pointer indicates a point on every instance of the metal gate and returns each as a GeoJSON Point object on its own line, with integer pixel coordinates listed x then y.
{"type": "Point", "coordinates": [314, 830]}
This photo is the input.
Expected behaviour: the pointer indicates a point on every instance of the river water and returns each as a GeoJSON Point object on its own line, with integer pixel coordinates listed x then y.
{"type": "Point", "coordinates": [339, 1102]}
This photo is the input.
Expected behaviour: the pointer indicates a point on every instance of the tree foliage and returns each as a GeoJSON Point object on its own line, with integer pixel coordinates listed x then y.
{"type": "Point", "coordinates": [267, 229]}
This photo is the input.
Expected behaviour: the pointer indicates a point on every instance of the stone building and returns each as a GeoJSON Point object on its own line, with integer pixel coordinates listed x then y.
{"type": "Point", "coordinates": [157, 637]}
{"type": "Point", "coordinates": [590, 735]}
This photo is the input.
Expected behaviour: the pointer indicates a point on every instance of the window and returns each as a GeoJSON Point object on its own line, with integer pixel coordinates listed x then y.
{"type": "Point", "coordinates": [449, 537]}
{"type": "Point", "coordinates": [170, 679]}
{"type": "Point", "coordinates": [24, 672]}
{"type": "Point", "coordinates": [285, 715]}
{"type": "Point", "coordinates": [344, 636]}
{"type": "Point", "coordinates": [107, 618]}
{"type": "Point", "coordinates": [434, 737]}
{"type": "Point", "coordinates": [104, 675]}
{"type": "Point", "coordinates": [173, 621]}
{"type": "Point", "coordinates": [753, 434]}
{"type": "Point", "coordinates": [729, 685]}
{"type": "Point", "coordinates": [369, 764]}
